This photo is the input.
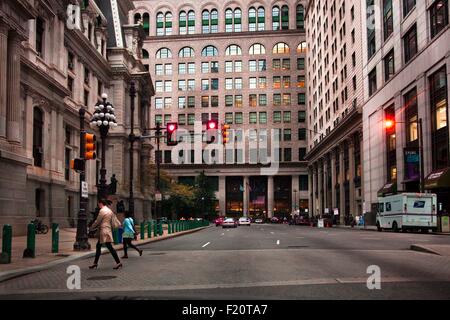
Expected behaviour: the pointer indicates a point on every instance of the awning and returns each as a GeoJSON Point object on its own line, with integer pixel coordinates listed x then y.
{"type": "Point", "coordinates": [388, 189]}
{"type": "Point", "coordinates": [438, 179]}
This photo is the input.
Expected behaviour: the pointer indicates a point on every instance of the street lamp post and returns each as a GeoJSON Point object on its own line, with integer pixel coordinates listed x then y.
{"type": "Point", "coordinates": [132, 139]}
{"type": "Point", "coordinates": [295, 199]}
{"type": "Point", "coordinates": [82, 241]}
{"type": "Point", "coordinates": [104, 119]}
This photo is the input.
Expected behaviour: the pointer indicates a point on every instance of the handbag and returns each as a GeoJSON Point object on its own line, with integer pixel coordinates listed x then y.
{"type": "Point", "coordinates": [115, 222]}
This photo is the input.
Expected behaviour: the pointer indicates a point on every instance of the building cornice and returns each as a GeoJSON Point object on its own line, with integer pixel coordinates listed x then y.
{"type": "Point", "coordinates": [351, 122]}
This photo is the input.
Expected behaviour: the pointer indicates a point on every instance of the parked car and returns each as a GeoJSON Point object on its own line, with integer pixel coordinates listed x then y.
{"type": "Point", "coordinates": [302, 220]}
{"type": "Point", "coordinates": [275, 220]}
{"type": "Point", "coordinates": [218, 221]}
{"type": "Point", "coordinates": [259, 221]}
{"type": "Point", "coordinates": [244, 221]}
{"type": "Point", "coordinates": [229, 223]}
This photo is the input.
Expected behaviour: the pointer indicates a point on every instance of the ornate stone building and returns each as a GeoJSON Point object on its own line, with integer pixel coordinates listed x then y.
{"type": "Point", "coordinates": [49, 69]}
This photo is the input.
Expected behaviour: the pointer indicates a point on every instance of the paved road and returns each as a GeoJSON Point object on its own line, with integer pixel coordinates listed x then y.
{"type": "Point", "coordinates": [257, 262]}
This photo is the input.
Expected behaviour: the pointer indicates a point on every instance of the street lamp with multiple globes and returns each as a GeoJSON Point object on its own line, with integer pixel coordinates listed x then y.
{"type": "Point", "coordinates": [103, 119]}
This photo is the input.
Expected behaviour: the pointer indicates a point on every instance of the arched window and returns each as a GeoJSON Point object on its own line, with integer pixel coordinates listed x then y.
{"type": "Point", "coordinates": [145, 54]}
{"type": "Point", "coordinates": [210, 21]}
{"type": "Point", "coordinates": [210, 51]}
{"type": "Point", "coordinates": [257, 49]}
{"type": "Point", "coordinates": [252, 19]}
{"type": "Point", "coordinates": [160, 24]}
{"type": "Point", "coordinates": [137, 18]}
{"type": "Point", "coordinates": [191, 22]}
{"type": "Point", "coordinates": [281, 48]}
{"type": "Point", "coordinates": [261, 19]}
{"type": "Point", "coordinates": [300, 17]}
{"type": "Point", "coordinates": [237, 20]}
{"type": "Point", "coordinates": [164, 53]}
{"type": "Point", "coordinates": [233, 50]}
{"type": "Point", "coordinates": [146, 23]}
{"type": "Point", "coordinates": [168, 23]}
{"type": "Point", "coordinates": [285, 17]}
{"type": "Point", "coordinates": [182, 20]}
{"type": "Point", "coordinates": [302, 47]}
{"type": "Point", "coordinates": [38, 136]}
{"type": "Point", "coordinates": [228, 20]}
{"type": "Point", "coordinates": [233, 20]}
{"type": "Point", "coordinates": [276, 18]}
{"type": "Point", "coordinates": [186, 52]}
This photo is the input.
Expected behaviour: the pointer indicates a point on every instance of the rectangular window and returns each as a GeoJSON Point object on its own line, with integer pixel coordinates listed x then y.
{"type": "Point", "coordinates": [286, 99]}
{"type": "Point", "coordinates": [205, 84]}
{"type": "Point", "coordinates": [438, 16]}
{"type": "Point", "coordinates": [167, 103]}
{"type": "Point", "coordinates": [410, 43]}
{"type": "Point", "coordinates": [214, 101]}
{"type": "Point", "coordinates": [191, 119]}
{"type": "Point", "coordinates": [252, 66]}
{"type": "Point", "coordinates": [238, 83]}
{"type": "Point", "coordinates": [372, 82]}
{"type": "Point", "coordinates": [159, 70]}
{"type": "Point", "coordinates": [238, 101]}
{"type": "Point", "coordinates": [252, 118]}
{"type": "Point", "coordinates": [182, 119]}
{"type": "Point", "coordinates": [277, 117]}
{"type": "Point", "coordinates": [389, 65]}
{"type": "Point", "coordinates": [262, 82]}
{"type": "Point", "coordinates": [191, 85]}
{"type": "Point", "coordinates": [158, 103]}
{"type": "Point", "coordinates": [253, 83]}
{"type": "Point", "coordinates": [181, 102]}
{"type": "Point", "coordinates": [301, 154]}
{"type": "Point", "coordinates": [287, 117]}
{"type": "Point", "coordinates": [238, 118]}
{"type": "Point", "coordinates": [300, 64]}
{"type": "Point", "coordinates": [205, 101]}
{"type": "Point", "coordinates": [229, 84]}
{"type": "Point", "coordinates": [229, 100]}
{"type": "Point", "coordinates": [303, 183]}
{"type": "Point", "coordinates": [182, 68]}
{"type": "Point", "coordinates": [214, 84]}
{"type": "Point", "coordinates": [238, 66]}
{"type": "Point", "coordinates": [301, 97]}
{"type": "Point", "coordinates": [191, 68]}
{"type": "Point", "coordinates": [228, 66]}
{"type": "Point", "coordinates": [277, 82]}
{"type": "Point", "coordinates": [181, 85]}
{"type": "Point", "coordinates": [252, 100]}
{"type": "Point", "coordinates": [302, 134]}
{"type": "Point", "coordinates": [388, 21]}
{"type": "Point", "coordinates": [277, 99]}
{"type": "Point", "coordinates": [263, 117]}
{"type": "Point", "coordinates": [287, 154]}
{"type": "Point", "coordinates": [301, 116]}
{"type": "Point", "coordinates": [191, 102]}
{"type": "Point", "coordinates": [408, 5]}
{"type": "Point", "coordinates": [205, 67]}
{"type": "Point", "coordinates": [229, 118]}
{"type": "Point", "coordinates": [262, 100]}
{"type": "Point", "coordinates": [168, 86]}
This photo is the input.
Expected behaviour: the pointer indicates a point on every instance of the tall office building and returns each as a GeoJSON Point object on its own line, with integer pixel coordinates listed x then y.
{"type": "Point", "coordinates": [406, 72]}
{"type": "Point", "coordinates": [335, 96]}
{"type": "Point", "coordinates": [243, 64]}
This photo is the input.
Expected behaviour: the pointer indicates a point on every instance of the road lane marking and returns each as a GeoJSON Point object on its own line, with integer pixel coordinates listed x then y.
{"type": "Point", "coordinates": [272, 232]}
{"type": "Point", "coordinates": [278, 242]}
{"type": "Point", "coordinates": [206, 244]}
{"type": "Point", "coordinates": [222, 234]}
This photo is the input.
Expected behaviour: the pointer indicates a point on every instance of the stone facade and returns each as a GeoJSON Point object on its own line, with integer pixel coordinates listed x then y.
{"type": "Point", "coordinates": [335, 98]}
{"type": "Point", "coordinates": [403, 91]}
{"type": "Point", "coordinates": [52, 70]}
{"type": "Point", "coordinates": [220, 41]}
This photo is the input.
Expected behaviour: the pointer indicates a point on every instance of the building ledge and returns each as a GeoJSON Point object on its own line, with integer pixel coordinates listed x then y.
{"type": "Point", "coordinates": [14, 157]}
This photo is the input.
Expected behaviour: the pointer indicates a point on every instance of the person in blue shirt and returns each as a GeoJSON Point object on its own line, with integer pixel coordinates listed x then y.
{"type": "Point", "coordinates": [129, 233]}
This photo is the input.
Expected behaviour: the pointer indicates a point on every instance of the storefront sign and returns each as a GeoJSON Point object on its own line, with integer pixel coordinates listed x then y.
{"type": "Point", "coordinates": [412, 164]}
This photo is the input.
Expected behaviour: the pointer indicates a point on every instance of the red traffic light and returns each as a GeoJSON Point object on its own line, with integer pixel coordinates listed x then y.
{"type": "Point", "coordinates": [389, 123]}
{"type": "Point", "coordinates": [212, 124]}
{"type": "Point", "coordinates": [171, 127]}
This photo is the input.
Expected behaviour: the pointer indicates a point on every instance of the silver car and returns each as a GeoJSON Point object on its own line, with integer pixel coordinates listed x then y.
{"type": "Point", "coordinates": [244, 221]}
{"type": "Point", "coordinates": [229, 223]}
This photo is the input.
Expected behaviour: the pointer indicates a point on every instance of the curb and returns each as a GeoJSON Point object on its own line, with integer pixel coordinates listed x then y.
{"type": "Point", "coordinates": [8, 275]}
{"type": "Point", "coordinates": [419, 248]}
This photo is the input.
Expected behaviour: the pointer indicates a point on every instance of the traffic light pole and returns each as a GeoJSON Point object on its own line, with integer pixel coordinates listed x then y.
{"type": "Point", "coordinates": [82, 241]}
{"type": "Point", "coordinates": [158, 167]}
{"type": "Point", "coordinates": [422, 169]}
{"type": "Point", "coordinates": [132, 139]}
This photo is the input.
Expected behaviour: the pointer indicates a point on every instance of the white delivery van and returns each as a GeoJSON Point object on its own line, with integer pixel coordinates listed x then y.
{"type": "Point", "coordinates": [407, 211]}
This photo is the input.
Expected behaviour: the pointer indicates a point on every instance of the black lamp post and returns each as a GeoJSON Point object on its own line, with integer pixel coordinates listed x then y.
{"type": "Point", "coordinates": [104, 119]}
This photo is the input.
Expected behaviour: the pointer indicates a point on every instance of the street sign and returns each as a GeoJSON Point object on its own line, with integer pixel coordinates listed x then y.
{"type": "Point", "coordinates": [158, 196]}
{"type": "Point", "coordinates": [327, 211]}
{"type": "Point", "coordinates": [336, 211]}
{"type": "Point", "coordinates": [84, 190]}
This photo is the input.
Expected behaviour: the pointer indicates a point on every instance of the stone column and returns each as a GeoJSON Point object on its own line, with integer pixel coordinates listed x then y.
{"type": "Point", "coordinates": [13, 94]}
{"type": "Point", "coordinates": [351, 164]}
{"type": "Point", "coordinates": [310, 191]}
{"type": "Point", "coordinates": [325, 186]}
{"type": "Point", "coordinates": [3, 74]}
{"type": "Point", "coordinates": [246, 197]}
{"type": "Point", "coordinates": [314, 189]}
{"type": "Point", "coordinates": [222, 195]}
{"type": "Point", "coordinates": [333, 180]}
{"type": "Point", "coordinates": [295, 195]}
{"type": "Point", "coordinates": [319, 188]}
{"type": "Point", "coordinates": [270, 196]}
{"type": "Point", "coordinates": [341, 184]}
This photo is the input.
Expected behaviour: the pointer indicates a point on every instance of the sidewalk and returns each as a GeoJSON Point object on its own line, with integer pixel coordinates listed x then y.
{"type": "Point", "coordinates": [365, 228]}
{"type": "Point", "coordinates": [438, 249]}
{"type": "Point", "coordinates": [45, 259]}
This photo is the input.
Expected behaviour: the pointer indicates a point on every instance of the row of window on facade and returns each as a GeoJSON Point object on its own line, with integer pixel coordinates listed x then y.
{"type": "Point", "coordinates": [236, 101]}
{"type": "Point", "coordinates": [439, 138]}
{"type": "Point", "coordinates": [235, 66]}
{"type": "Point", "coordinates": [231, 50]}
{"type": "Point", "coordinates": [438, 19]}
{"type": "Point", "coordinates": [210, 20]}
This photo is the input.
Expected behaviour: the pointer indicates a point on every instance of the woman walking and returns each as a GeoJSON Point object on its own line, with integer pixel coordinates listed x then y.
{"type": "Point", "coordinates": [104, 224]}
{"type": "Point", "coordinates": [129, 233]}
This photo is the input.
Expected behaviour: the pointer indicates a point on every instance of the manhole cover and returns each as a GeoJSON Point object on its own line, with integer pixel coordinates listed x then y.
{"type": "Point", "coordinates": [296, 247]}
{"type": "Point", "coordinates": [100, 278]}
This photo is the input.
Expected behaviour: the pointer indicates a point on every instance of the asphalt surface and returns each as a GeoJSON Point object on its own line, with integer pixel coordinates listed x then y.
{"type": "Point", "coordinates": [258, 262]}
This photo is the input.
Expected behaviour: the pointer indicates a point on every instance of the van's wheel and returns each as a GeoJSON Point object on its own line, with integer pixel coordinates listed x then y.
{"type": "Point", "coordinates": [379, 229]}
{"type": "Point", "coordinates": [395, 226]}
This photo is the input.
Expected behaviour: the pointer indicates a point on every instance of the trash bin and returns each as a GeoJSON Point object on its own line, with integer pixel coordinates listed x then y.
{"type": "Point", "coordinates": [445, 227]}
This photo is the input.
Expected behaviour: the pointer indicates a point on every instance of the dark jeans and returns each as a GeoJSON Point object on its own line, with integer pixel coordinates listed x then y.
{"type": "Point", "coordinates": [127, 242]}
{"type": "Point", "coordinates": [111, 250]}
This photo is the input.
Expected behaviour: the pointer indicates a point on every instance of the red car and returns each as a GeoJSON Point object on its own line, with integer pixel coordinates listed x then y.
{"type": "Point", "coordinates": [219, 221]}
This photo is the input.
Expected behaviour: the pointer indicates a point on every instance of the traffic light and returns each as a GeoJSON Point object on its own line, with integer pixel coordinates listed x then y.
{"type": "Point", "coordinates": [225, 133]}
{"type": "Point", "coordinates": [389, 124]}
{"type": "Point", "coordinates": [90, 146]}
{"type": "Point", "coordinates": [212, 128]}
{"type": "Point", "coordinates": [171, 129]}
{"type": "Point", "coordinates": [77, 165]}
